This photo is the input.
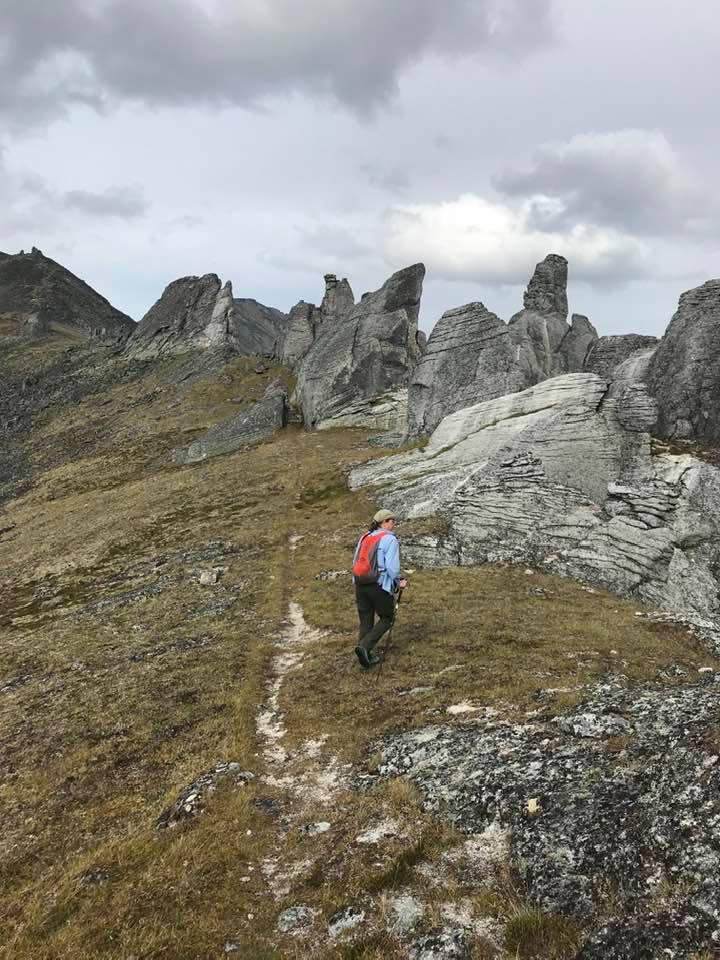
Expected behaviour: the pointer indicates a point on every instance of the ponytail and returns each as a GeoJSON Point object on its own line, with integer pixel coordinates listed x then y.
{"type": "Point", "coordinates": [374, 526]}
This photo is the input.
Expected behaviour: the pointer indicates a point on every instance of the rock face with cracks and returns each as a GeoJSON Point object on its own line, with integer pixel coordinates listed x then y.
{"type": "Point", "coordinates": [684, 372]}
{"type": "Point", "coordinates": [361, 356]}
{"type": "Point", "coordinates": [564, 475]}
{"type": "Point", "coordinates": [472, 355]}
{"type": "Point", "coordinates": [39, 297]}
{"type": "Point", "coordinates": [613, 809]}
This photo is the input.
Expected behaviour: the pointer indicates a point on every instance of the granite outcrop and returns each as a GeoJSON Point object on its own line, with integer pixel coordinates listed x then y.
{"type": "Point", "coordinates": [472, 355]}
{"type": "Point", "coordinates": [306, 320]}
{"type": "Point", "coordinates": [564, 475]}
{"type": "Point", "coordinates": [356, 370]}
{"type": "Point", "coordinates": [201, 313]}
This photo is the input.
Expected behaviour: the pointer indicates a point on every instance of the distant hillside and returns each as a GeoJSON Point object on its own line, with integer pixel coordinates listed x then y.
{"type": "Point", "coordinates": [39, 296]}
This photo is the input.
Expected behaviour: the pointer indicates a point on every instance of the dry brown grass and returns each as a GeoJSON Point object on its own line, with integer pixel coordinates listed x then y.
{"type": "Point", "coordinates": [113, 709]}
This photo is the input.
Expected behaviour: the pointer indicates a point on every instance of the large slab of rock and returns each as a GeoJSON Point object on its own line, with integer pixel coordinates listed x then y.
{"type": "Point", "coordinates": [472, 355]}
{"type": "Point", "coordinates": [361, 356]}
{"type": "Point", "coordinates": [259, 422]}
{"type": "Point", "coordinates": [39, 297]}
{"type": "Point", "coordinates": [563, 474]}
{"type": "Point", "coordinates": [684, 372]}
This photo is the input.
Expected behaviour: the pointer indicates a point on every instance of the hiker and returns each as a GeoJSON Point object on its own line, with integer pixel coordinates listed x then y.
{"type": "Point", "coordinates": [377, 579]}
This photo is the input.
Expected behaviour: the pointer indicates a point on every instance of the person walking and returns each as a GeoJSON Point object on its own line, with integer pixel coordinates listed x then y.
{"type": "Point", "coordinates": [377, 579]}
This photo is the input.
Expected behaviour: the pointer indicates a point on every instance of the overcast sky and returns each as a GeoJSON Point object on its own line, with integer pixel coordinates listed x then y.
{"type": "Point", "coordinates": [272, 141]}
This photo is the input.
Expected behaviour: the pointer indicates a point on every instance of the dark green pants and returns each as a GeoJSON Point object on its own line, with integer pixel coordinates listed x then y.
{"type": "Point", "coordinates": [372, 600]}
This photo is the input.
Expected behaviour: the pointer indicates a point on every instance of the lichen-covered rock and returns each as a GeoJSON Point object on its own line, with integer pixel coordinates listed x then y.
{"type": "Point", "coordinates": [191, 801]}
{"type": "Point", "coordinates": [472, 355]}
{"type": "Point", "coordinates": [607, 353]}
{"type": "Point", "coordinates": [641, 820]}
{"type": "Point", "coordinates": [259, 422]}
{"type": "Point", "coordinates": [684, 372]}
{"type": "Point", "coordinates": [363, 354]}
{"type": "Point", "coordinates": [563, 475]}
{"type": "Point", "coordinates": [39, 297]}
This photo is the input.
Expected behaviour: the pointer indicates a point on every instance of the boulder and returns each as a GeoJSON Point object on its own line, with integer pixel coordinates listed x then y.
{"type": "Point", "coordinates": [39, 297]}
{"type": "Point", "coordinates": [472, 355]}
{"type": "Point", "coordinates": [684, 371]}
{"type": "Point", "coordinates": [360, 357]}
{"type": "Point", "coordinates": [607, 353]}
{"type": "Point", "coordinates": [563, 475]}
{"type": "Point", "coordinates": [259, 422]}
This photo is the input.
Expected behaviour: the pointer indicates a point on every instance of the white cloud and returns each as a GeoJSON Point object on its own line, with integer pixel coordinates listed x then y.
{"type": "Point", "coordinates": [476, 239]}
{"type": "Point", "coordinates": [632, 179]}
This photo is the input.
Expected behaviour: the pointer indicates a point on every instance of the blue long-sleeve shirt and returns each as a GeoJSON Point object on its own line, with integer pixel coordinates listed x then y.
{"type": "Point", "coordinates": [388, 561]}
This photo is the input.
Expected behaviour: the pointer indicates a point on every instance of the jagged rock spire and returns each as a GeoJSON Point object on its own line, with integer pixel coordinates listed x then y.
{"type": "Point", "coordinates": [547, 291]}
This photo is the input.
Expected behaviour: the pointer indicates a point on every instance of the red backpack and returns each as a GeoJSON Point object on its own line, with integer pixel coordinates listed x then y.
{"type": "Point", "coordinates": [365, 569]}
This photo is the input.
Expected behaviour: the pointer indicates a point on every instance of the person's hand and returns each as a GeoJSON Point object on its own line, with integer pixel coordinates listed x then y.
{"type": "Point", "coordinates": [402, 583]}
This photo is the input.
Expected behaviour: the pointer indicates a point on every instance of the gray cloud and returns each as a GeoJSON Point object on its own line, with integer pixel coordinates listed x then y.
{"type": "Point", "coordinates": [125, 202]}
{"type": "Point", "coordinates": [630, 179]}
{"type": "Point", "coordinates": [29, 202]}
{"type": "Point", "coordinates": [55, 53]}
{"type": "Point", "coordinates": [393, 180]}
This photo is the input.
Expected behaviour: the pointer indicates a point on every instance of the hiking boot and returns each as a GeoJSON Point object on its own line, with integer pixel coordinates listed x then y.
{"type": "Point", "coordinates": [364, 657]}
{"type": "Point", "coordinates": [373, 660]}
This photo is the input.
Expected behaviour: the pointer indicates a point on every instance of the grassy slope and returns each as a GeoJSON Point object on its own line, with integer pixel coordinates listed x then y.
{"type": "Point", "coordinates": [122, 678]}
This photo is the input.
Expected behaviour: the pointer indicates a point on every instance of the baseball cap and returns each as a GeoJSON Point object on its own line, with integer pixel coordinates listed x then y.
{"type": "Point", "coordinates": [383, 515]}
